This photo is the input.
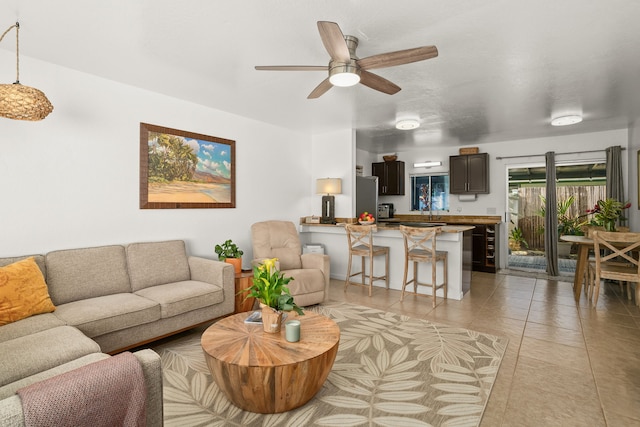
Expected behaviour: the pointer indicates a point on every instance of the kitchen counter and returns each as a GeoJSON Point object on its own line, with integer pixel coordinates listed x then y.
{"type": "Point", "coordinates": [448, 219]}
{"type": "Point", "coordinates": [455, 239]}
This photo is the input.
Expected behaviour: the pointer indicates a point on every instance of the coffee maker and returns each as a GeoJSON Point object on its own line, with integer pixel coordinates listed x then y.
{"type": "Point", "coordinates": [385, 210]}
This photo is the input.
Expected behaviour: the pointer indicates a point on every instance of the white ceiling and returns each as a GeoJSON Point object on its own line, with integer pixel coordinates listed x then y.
{"type": "Point", "coordinates": [505, 66]}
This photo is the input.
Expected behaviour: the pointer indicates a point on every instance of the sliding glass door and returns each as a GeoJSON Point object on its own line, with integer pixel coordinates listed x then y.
{"type": "Point", "coordinates": [578, 188]}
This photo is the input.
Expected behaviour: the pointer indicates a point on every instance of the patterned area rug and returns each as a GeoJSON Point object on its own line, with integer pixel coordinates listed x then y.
{"type": "Point", "coordinates": [390, 370]}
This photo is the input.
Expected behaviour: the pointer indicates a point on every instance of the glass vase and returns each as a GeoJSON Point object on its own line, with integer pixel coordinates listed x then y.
{"type": "Point", "coordinates": [609, 225]}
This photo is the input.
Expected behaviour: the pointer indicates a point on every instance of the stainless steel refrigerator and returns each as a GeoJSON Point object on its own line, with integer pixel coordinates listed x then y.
{"type": "Point", "coordinates": [367, 195]}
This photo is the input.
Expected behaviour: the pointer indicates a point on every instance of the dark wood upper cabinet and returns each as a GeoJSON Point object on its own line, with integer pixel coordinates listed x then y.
{"type": "Point", "coordinates": [390, 178]}
{"type": "Point", "coordinates": [469, 174]}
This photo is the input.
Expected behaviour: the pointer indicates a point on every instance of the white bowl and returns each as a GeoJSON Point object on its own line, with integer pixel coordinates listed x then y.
{"type": "Point", "coordinates": [365, 222]}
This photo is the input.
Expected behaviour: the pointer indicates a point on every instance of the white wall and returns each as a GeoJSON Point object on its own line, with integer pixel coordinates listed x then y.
{"type": "Point", "coordinates": [72, 180]}
{"type": "Point", "coordinates": [334, 157]}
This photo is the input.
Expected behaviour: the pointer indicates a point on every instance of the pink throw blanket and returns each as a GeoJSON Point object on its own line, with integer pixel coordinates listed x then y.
{"type": "Point", "coordinates": [110, 393]}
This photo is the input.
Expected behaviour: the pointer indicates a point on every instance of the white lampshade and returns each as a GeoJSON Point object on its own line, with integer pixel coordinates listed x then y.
{"type": "Point", "coordinates": [329, 186]}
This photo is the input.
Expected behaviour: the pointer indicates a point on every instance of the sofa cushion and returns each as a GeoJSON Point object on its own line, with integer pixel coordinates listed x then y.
{"type": "Point", "coordinates": [305, 281]}
{"type": "Point", "coordinates": [109, 313]}
{"type": "Point", "coordinates": [38, 258]}
{"type": "Point", "coordinates": [23, 291]}
{"type": "Point", "coordinates": [157, 263]}
{"type": "Point", "coordinates": [78, 274]}
{"type": "Point", "coordinates": [277, 239]}
{"type": "Point", "coordinates": [181, 297]}
{"type": "Point", "coordinates": [30, 354]}
{"type": "Point", "coordinates": [10, 389]}
{"type": "Point", "coordinates": [30, 325]}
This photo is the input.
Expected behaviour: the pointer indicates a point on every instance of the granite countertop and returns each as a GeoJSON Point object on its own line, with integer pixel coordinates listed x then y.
{"type": "Point", "coordinates": [391, 227]}
{"type": "Point", "coordinates": [450, 220]}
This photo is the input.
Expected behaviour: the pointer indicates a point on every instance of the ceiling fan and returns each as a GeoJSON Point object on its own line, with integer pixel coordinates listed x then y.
{"type": "Point", "coordinates": [346, 69]}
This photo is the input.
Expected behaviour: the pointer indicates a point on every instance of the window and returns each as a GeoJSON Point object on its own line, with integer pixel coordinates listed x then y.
{"type": "Point", "coordinates": [430, 193]}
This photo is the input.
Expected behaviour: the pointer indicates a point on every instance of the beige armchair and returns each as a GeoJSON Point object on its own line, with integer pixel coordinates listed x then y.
{"type": "Point", "coordinates": [310, 272]}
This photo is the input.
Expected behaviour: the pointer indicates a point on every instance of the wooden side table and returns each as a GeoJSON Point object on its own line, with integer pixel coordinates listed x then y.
{"type": "Point", "coordinates": [243, 281]}
{"type": "Point", "coordinates": [262, 372]}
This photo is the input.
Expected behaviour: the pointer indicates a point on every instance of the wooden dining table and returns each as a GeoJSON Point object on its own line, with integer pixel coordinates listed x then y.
{"type": "Point", "coordinates": [585, 244]}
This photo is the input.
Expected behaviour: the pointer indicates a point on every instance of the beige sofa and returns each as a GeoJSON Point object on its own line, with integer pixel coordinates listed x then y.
{"type": "Point", "coordinates": [310, 272]}
{"type": "Point", "coordinates": [108, 299]}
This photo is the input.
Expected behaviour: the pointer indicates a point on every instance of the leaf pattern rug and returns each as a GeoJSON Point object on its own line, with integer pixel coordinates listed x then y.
{"type": "Point", "coordinates": [390, 370]}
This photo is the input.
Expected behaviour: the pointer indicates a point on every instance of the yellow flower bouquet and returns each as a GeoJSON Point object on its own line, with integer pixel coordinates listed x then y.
{"type": "Point", "coordinates": [270, 287]}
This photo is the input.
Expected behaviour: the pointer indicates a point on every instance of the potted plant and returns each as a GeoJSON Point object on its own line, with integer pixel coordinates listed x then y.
{"type": "Point", "coordinates": [606, 213]}
{"type": "Point", "coordinates": [516, 239]}
{"type": "Point", "coordinates": [270, 288]}
{"type": "Point", "coordinates": [229, 252]}
{"type": "Point", "coordinates": [567, 224]}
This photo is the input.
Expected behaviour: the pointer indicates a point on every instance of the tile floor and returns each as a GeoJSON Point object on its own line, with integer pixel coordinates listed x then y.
{"type": "Point", "coordinates": [567, 363]}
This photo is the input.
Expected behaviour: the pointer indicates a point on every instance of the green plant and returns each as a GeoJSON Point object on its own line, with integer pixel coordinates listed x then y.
{"type": "Point", "coordinates": [517, 237]}
{"type": "Point", "coordinates": [567, 224]}
{"type": "Point", "coordinates": [228, 250]}
{"type": "Point", "coordinates": [270, 287]}
{"type": "Point", "coordinates": [608, 211]}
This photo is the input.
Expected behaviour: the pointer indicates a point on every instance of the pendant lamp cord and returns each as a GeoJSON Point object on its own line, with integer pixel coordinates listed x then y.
{"type": "Point", "coordinates": [17, 27]}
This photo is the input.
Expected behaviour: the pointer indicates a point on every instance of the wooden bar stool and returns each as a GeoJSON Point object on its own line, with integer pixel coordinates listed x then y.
{"type": "Point", "coordinates": [420, 246]}
{"type": "Point", "coordinates": [360, 239]}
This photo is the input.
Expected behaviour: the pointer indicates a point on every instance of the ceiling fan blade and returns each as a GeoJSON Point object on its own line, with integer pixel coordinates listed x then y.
{"type": "Point", "coordinates": [292, 67]}
{"type": "Point", "coordinates": [378, 83]}
{"type": "Point", "coordinates": [399, 57]}
{"type": "Point", "coordinates": [333, 41]}
{"type": "Point", "coordinates": [321, 89]}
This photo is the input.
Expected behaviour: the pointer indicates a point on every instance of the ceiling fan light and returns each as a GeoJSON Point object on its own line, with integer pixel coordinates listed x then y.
{"type": "Point", "coordinates": [566, 120]}
{"type": "Point", "coordinates": [344, 75]}
{"type": "Point", "coordinates": [407, 124]}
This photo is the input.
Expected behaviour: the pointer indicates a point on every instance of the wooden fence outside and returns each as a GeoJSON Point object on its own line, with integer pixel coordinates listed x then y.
{"type": "Point", "coordinates": [532, 224]}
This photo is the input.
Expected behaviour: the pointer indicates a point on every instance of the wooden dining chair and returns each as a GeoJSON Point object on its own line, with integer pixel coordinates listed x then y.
{"type": "Point", "coordinates": [360, 238]}
{"type": "Point", "coordinates": [615, 258]}
{"type": "Point", "coordinates": [420, 246]}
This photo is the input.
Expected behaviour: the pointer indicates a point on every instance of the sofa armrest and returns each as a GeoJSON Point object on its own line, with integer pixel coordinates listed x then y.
{"type": "Point", "coordinates": [11, 414]}
{"type": "Point", "coordinates": [152, 370]}
{"type": "Point", "coordinates": [321, 262]}
{"type": "Point", "coordinates": [217, 273]}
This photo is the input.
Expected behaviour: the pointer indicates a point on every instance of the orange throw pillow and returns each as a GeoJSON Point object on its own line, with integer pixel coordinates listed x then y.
{"type": "Point", "coordinates": [23, 291]}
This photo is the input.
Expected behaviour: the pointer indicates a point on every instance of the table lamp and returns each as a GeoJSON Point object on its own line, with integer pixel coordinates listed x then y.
{"type": "Point", "coordinates": [328, 186]}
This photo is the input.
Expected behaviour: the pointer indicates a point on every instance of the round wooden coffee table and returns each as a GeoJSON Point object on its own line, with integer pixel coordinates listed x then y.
{"type": "Point", "coordinates": [262, 372]}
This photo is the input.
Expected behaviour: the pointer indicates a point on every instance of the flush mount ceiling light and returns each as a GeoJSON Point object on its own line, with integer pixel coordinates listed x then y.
{"type": "Point", "coordinates": [426, 164]}
{"type": "Point", "coordinates": [566, 120]}
{"type": "Point", "coordinates": [21, 102]}
{"type": "Point", "coordinates": [407, 124]}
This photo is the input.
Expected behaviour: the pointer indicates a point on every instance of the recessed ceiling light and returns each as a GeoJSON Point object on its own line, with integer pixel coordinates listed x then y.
{"type": "Point", "coordinates": [407, 124]}
{"type": "Point", "coordinates": [566, 120]}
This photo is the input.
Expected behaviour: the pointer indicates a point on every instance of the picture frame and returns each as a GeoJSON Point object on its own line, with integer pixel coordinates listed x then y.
{"type": "Point", "coordinates": [185, 170]}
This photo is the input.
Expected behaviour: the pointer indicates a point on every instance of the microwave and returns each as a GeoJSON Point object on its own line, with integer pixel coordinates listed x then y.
{"type": "Point", "coordinates": [385, 210]}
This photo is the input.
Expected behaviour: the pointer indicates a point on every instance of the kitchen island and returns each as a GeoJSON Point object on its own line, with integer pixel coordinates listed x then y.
{"type": "Point", "coordinates": [455, 239]}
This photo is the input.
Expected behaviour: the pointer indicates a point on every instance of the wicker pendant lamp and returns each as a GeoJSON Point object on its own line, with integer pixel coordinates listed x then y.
{"type": "Point", "coordinates": [21, 102]}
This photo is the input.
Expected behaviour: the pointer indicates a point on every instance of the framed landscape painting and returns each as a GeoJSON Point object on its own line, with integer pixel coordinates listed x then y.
{"type": "Point", "coordinates": [185, 170]}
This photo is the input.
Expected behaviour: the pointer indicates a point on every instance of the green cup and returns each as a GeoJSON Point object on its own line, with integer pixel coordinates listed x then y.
{"type": "Point", "coordinates": [292, 330]}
